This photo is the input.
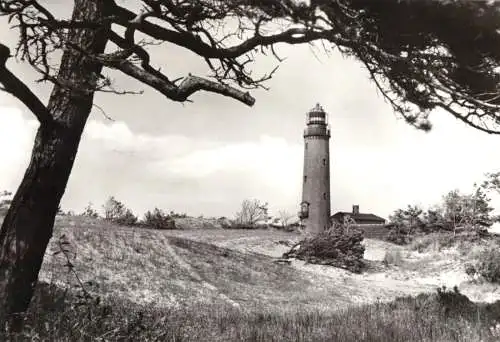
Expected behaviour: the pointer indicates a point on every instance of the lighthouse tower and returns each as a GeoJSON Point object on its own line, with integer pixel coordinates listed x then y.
{"type": "Point", "coordinates": [315, 205]}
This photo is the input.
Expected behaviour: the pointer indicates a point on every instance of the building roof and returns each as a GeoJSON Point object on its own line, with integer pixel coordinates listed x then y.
{"type": "Point", "coordinates": [359, 217]}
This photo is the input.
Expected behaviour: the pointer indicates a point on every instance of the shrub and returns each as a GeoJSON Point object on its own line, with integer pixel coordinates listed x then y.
{"type": "Point", "coordinates": [175, 215]}
{"type": "Point", "coordinates": [435, 241]}
{"type": "Point", "coordinates": [422, 243]}
{"type": "Point", "coordinates": [399, 236]}
{"type": "Point", "coordinates": [337, 247]}
{"type": "Point", "coordinates": [455, 304]}
{"type": "Point", "coordinates": [470, 270]}
{"type": "Point", "coordinates": [157, 219]}
{"type": "Point", "coordinates": [127, 219]}
{"type": "Point", "coordinates": [115, 211]}
{"type": "Point", "coordinates": [224, 222]}
{"type": "Point", "coordinates": [252, 212]}
{"type": "Point", "coordinates": [89, 211]}
{"type": "Point", "coordinates": [488, 265]}
{"type": "Point", "coordinates": [239, 225]}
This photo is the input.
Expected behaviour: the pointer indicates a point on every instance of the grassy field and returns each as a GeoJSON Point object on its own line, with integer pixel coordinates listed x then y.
{"type": "Point", "coordinates": [427, 317]}
{"type": "Point", "coordinates": [164, 269]}
{"type": "Point", "coordinates": [224, 285]}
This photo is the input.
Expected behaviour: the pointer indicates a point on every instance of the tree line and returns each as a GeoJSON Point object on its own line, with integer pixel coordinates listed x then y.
{"type": "Point", "coordinates": [456, 212]}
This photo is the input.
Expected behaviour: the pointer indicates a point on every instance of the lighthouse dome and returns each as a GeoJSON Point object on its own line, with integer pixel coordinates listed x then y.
{"type": "Point", "coordinates": [316, 115]}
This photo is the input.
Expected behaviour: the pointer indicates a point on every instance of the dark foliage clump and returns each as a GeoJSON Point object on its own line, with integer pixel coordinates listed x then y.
{"type": "Point", "coordinates": [237, 225]}
{"type": "Point", "coordinates": [157, 219]}
{"type": "Point", "coordinates": [398, 237]}
{"type": "Point", "coordinates": [59, 315]}
{"type": "Point", "coordinates": [447, 303]}
{"type": "Point", "coordinates": [338, 247]}
{"type": "Point", "coordinates": [116, 212]}
{"type": "Point", "coordinates": [487, 265]}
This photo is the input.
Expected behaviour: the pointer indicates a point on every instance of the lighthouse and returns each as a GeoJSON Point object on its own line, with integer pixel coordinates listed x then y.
{"type": "Point", "coordinates": [315, 206]}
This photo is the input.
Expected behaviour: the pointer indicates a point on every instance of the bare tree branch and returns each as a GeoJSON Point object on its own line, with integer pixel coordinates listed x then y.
{"type": "Point", "coordinates": [186, 88]}
{"type": "Point", "coordinates": [17, 88]}
{"type": "Point", "coordinates": [103, 112]}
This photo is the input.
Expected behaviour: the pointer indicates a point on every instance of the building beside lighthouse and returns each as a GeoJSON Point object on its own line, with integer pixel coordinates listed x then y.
{"type": "Point", "coordinates": [315, 206]}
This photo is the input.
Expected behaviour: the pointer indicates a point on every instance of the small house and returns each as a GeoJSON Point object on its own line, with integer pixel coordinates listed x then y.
{"type": "Point", "coordinates": [359, 218]}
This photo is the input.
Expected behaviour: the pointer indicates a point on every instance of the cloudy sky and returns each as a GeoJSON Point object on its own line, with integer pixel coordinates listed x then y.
{"type": "Point", "coordinates": [205, 157]}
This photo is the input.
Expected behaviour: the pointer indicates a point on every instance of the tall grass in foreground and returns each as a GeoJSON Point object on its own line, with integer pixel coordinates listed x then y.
{"type": "Point", "coordinates": [443, 316]}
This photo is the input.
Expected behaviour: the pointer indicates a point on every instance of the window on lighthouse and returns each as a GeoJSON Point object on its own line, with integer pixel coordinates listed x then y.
{"type": "Point", "coordinates": [305, 179]}
{"type": "Point", "coordinates": [324, 161]}
{"type": "Point", "coordinates": [324, 195]}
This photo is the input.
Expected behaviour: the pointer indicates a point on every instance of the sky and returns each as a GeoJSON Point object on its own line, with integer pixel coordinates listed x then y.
{"type": "Point", "coordinates": [205, 157]}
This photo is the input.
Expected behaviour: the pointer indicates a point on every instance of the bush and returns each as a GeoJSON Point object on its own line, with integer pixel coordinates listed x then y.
{"type": "Point", "coordinates": [434, 242]}
{"type": "Point", "coordinates": [252, 212]}
{"type": "Point", "coordinates": [89, 211]}
{"type": "Point", "coordinates": [422, 243]}
{"type": "Point", "coordinates": [399, 236]}
{"type": "Point", "coordinates": [116, 212]}
{"type": "Point", "coordinates": [158, 220]}
{"type": "Point", "coordinates": [335, 247]}
{"type": "Point", "coordinates": [175, 215]}
{"type": "Point", "coordinates": [224, 222]}
{"type": "Point", "coordinates": [470, 270]}
{"type": "Point", "coordinates": [488, 265]}
{"type": "Point", "coordinates": [127, 219]}
{"type": "Point", "coordinates": [238, 225]}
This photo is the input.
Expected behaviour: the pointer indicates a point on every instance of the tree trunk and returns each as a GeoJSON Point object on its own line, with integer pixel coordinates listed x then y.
{"type": "Point", "coordinates": [28, 225]}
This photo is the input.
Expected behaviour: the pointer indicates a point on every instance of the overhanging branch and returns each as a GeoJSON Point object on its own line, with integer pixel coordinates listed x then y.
{"type": "Point", "coordinates": [186, 88]}
{"type": "Point", "coordinates": [195, 44]}
{"type": "Point", "coordinates": [17, 88]}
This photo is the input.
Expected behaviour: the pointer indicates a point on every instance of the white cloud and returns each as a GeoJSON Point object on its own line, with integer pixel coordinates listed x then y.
{"type": "Point", "coordinates": [181, 171]}
{"type": "Point", "coordinates": [191, 173]}
{"type": "Point", "coordinates": [16, 138]}
{"type": "Point", "coordinates": [210, 177]}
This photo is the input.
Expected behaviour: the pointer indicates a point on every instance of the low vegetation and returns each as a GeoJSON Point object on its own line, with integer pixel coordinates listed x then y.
{"type": "Point", "coordinates": [443, 316]}
{"type": "Point", "coordinates": [338, 246]}
{"type": "Point", "coordinates": [253, 214]}
{"type": "Point", "coordinates": [116, 212]}
{"type": "Point", "coordinates": [486, 265]}
{"type": "Point", "coordinates": [393, 257]}
{"type": "Point", "coordinates": [436, 242]}
{"type": "Point", "coordinates": [457, 213]}
{"type": "Point", "coordinates": [214, 292]}
{"type": "Point", "coordinates": [157, 219]}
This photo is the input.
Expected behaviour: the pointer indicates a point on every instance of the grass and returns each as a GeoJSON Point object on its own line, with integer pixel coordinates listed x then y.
{"type": "Point", "coordinates": [486, 264]}
{"type": "Point", "coordinates": [190, 287]}
{"type": "Point", "coordinates": [434, 242]}
{"type": "Point", "coordinates": [150, 267]}
{"type": "Point", "coordinates": [437, 242]}
{"type": "Point", "coordinates": [444, 316]}
{"type": "Point", "coordinates": [393, 257]}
